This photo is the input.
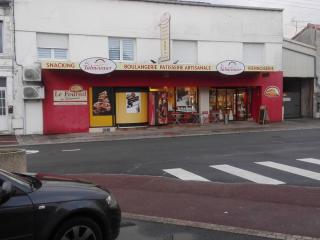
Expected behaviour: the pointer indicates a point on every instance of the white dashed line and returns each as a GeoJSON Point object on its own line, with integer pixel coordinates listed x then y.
{"type": "Point", "coordinates": [32, 151]}
{"type": "Point", "coordinates": [71, 150]}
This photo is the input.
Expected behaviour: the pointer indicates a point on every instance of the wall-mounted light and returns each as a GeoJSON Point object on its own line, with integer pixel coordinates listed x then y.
{"type": "Point", "coordinates": [175, 62]}
{"type": "Point", "coordinates": [153, 61]}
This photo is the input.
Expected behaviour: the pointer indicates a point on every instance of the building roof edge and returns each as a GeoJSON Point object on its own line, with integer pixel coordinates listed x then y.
{"type": "Point", "coordinates": [206, 4]}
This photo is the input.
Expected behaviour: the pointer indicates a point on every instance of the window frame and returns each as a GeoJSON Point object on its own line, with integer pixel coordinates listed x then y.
{"type": "Point", "coordinates": [52, 54]}
{"type": "Point", "coordinates": [121, 54]}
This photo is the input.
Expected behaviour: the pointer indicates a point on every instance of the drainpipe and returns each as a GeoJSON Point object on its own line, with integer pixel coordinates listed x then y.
{"type": "Point", "coordinates": [16, 64]}
{"type": "Point", "coordinates": [316, 75]}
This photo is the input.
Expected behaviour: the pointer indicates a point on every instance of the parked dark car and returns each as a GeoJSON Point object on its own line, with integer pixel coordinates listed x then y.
{"type": "Point", "coordinates": [56, 209]}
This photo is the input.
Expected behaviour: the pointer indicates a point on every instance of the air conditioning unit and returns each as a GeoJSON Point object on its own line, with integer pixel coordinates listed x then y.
{"type": "Point", "coordinates": [33, 92]}
{"type": "Point", "coordinates": [32, 73]}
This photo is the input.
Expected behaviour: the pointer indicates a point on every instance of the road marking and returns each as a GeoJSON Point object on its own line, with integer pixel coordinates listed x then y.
{"type": "Point", "coordinates": [310, 160]}
{"type": "Point", "coordinates": [71, 150]}
{"type": "Point", "coordinates": [251, 176]}
{"type": "Point", "coordinates": [32, 151]}
{"type": "Point", "coordinates": [294, 170]}
{"type": "Point", "coordinates": [185, 175]}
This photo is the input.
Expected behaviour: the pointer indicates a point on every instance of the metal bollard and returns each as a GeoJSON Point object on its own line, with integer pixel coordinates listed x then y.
{"type": "Point", "coordinates": [226, 118]}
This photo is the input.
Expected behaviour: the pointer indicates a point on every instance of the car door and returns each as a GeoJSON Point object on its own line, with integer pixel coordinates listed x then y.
{"type": "Point", "coordinates": [16, 217]}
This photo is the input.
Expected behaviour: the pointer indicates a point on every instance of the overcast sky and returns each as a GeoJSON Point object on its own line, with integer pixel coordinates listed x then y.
{"type": "Point", "coordinates": [297, 13]}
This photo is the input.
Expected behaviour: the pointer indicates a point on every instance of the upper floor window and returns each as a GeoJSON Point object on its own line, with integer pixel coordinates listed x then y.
{"type": "Point", "coordinates": [121, 49]}
{"type": "Point", "coordinates": [52, 46]}
{"type": "Point", "coordinates": [185, 52]}
{"type": "Point", "coordinates": [253, 53]}
{"type": "Point", "coordinates": [1, 37]}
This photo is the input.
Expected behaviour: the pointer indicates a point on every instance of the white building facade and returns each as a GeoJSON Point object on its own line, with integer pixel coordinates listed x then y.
{"type": "Point", "coordinates": [7, 113]}
{"type": "Point", "coordinates": [129, 32]}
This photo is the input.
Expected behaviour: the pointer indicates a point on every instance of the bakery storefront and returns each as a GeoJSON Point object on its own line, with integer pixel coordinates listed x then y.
{"type": "Point", "coordinates": [99, 93]}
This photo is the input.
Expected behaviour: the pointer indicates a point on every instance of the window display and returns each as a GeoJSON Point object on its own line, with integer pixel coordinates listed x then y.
{"type": "Point", "coordinates": [171, 99]}
{"type": "Point", "coordinates": [213, 99]}
{"type": "Point", "coordinates": [187, 99]}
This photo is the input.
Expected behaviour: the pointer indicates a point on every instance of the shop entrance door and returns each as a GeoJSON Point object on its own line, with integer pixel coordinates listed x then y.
{"type": "Point", "coordinates": [235, 102]}
{"type": "Point", "coordinates": [242, 104]}
{"type": "Point", "coordinates": [3, 110]}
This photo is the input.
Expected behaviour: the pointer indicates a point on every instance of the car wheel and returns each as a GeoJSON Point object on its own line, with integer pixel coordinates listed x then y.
{"type": "Point", "coordinates": [78, 229]}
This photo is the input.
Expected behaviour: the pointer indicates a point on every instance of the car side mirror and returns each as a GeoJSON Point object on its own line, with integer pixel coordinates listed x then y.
{"type": "Point", "coordinates": [6, 192]}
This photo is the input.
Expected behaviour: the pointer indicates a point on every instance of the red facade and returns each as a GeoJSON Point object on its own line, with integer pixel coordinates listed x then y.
{"type": "Point", "coordinates": [66, 119]}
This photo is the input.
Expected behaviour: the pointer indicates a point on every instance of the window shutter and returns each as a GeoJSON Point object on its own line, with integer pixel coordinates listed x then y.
{"type": "Point", "coordinates": [114, 48]}
{"type": "Point", "coordinates": [44, 53]}
{"type": "Point", "coordinates": [128, 49]}
{"type": "Point", "coordinates": [60, 53]}
{"type": "Point", "coordinates": [48, 40]}
{"type": "Point", "coordinates": [253, 53]}
{"type": "Point", "coordinates": [185, 52]}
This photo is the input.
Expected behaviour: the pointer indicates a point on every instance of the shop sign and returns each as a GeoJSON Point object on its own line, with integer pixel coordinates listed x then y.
{"type": "Point", "coordinates": [59, 65]}
{"type": "Point", "coordinates": [165, 67]}
{"type": "Point", "coordinates": [260, 68]}
{"type": "Point", "coordinates": [74, 96]}
{"type": "Point", "coordinates": [165, 37]}
{"type": "Point", "coordinates": [272, 91]}
{"type": "Point", "coordinates": [230, 67]}
{"type": "Point", "coordinates": [97, 65]}
{"type": "Point", "coordinates": [159, 67]}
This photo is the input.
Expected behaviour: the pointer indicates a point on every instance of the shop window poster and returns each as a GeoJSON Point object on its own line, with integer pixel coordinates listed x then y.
{"type": "Point", "coordinates": [133, 102]}
{"type": "Point", "coordinates": [186, 99]}
{"type": "Point", "coordinates": [103, 99]}
{"type": "Point", "coordinates": [163, 108]}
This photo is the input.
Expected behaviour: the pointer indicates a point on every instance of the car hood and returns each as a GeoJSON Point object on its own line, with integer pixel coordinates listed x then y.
{"type": "Point", "coordinates": [66, 190]}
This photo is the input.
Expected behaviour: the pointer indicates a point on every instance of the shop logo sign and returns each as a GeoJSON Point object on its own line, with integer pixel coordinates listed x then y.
{"type": "Point", "coordinates": [97, 65]}
{"type": "Point", "coordinates": [76, 95]}
{"type": "Point", "coordinates": [272, 91]}
{"type": "Point", "coordinates": [230, 67]}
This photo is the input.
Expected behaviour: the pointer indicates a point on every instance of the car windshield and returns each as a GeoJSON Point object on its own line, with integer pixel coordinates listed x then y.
{"type": "Point", "coordinates": [24, 180]}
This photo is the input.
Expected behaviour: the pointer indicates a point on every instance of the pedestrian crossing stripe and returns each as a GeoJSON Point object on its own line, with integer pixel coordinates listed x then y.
{"type": "Point", "coordinates": [185, 175]}
{"type": "Point", "coordinates": [310, 160]}
{"type": "Point", "coordinates": [290, 169]}
{"type": "Point", "coordinates": [251, 176]}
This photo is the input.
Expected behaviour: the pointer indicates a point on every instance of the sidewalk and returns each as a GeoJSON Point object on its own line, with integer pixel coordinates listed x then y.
{"type": "Point", "coordinates": [168, 131]}
{"type": "Point", "coordinates": [280, 212]}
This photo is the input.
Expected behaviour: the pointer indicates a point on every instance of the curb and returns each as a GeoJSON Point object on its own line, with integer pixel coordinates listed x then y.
{"type": "Point", "coordinates": [77, 140]}
{"type": "Point", "coordinates": [216, 227]}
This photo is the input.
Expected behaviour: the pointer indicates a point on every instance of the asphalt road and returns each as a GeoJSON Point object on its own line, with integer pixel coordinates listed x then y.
{"type": "Point", "coordinates": [193, 155]}
{"type": "Point", "coordinates": [141, 230]}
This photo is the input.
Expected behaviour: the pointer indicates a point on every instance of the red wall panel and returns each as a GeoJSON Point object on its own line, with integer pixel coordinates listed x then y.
{"type": "Point", "coordinates": [66, 119]}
